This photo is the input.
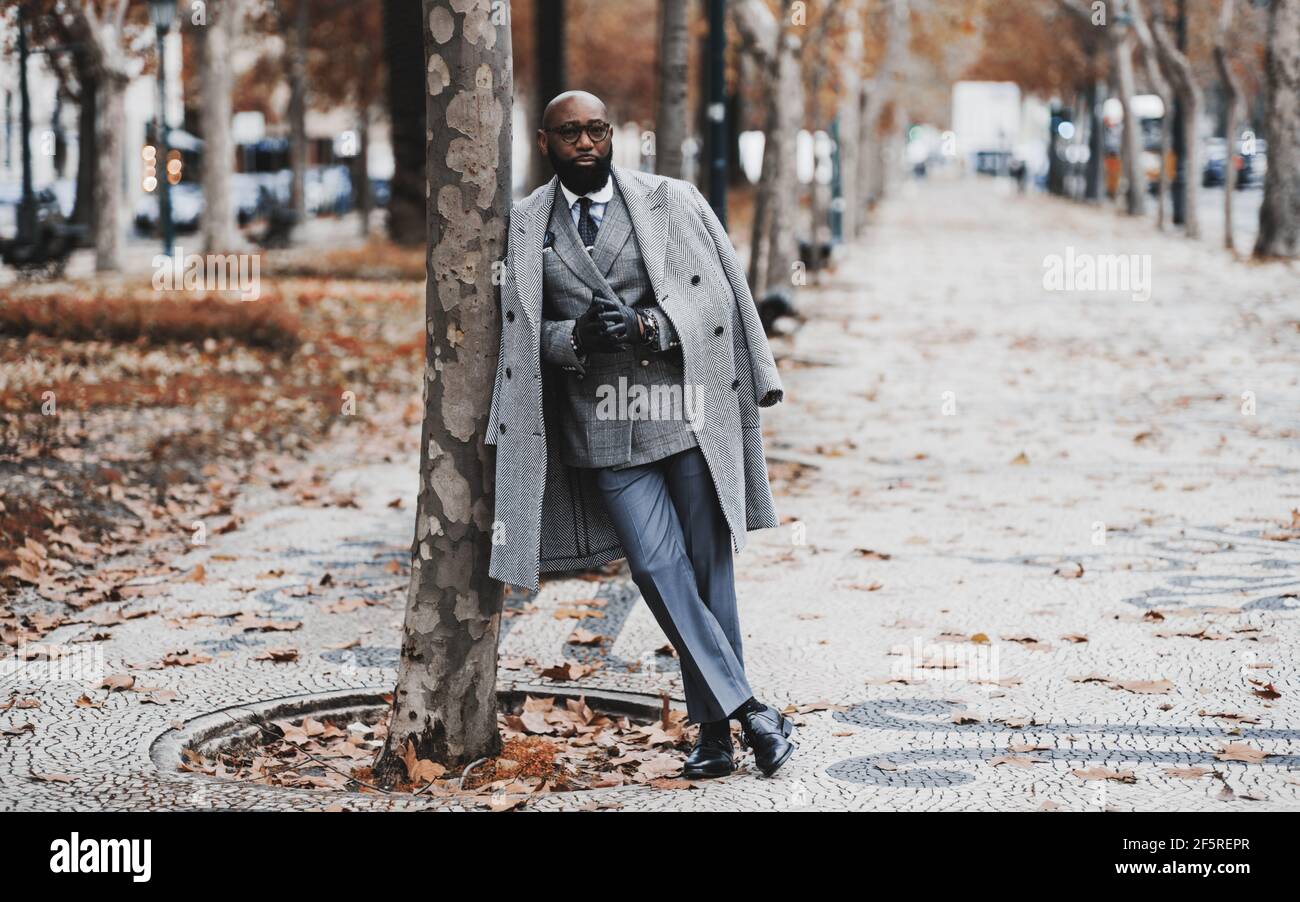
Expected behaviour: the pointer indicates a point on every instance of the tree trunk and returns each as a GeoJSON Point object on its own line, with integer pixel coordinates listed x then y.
{"type": "Point", "coordinates": [83, 210]}
{"type": "Point", "coordinates": [1279, 214]}
{"type": "Point", "coordinates": [876, 94]}
{"type": "Point", "coordinates": [1232, 107]}
{"type": "Point", "coordinates": [850, 121]}
{"type": "Point", "coordinates": [444, 704]}
{"type": "Point", "coordinates": [774, 244]}
{"type": "Point", "coordinates": [217, 41]}
{"type": "Point", "coordinates": [110, 123]}
{"type": "Point", "coordinates": [404, 54]}
{"type": "Point", "coordinates": [297, 48]}
{"type": "Point", "coordinates": [671, 115]}
{"type": "Point", "coordinates": [1151, 64]}
{"type": "Point", "coordinates": [1180, 73]}
{"type": "Point", "coordinates": [1135, 194]}
{"type": "Point", "coordinates": [364, 197]}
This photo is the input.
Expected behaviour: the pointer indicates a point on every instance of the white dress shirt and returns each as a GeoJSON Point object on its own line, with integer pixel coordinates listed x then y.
{"type": "Point", "coordinates": [599, 198]}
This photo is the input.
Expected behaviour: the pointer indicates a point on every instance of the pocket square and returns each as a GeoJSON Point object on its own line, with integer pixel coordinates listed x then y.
{"type": "Point", "coordinates": [549, 241]}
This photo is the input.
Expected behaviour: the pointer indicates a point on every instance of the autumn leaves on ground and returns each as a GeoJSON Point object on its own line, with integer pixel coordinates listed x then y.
{"type": "Point", "coordinates": [130, 420]}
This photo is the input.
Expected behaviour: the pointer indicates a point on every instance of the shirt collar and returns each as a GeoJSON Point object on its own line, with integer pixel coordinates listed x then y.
{"type": "Point", "coordinates": [603, 196]}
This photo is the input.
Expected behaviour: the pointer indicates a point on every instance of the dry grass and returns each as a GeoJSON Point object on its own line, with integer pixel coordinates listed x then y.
{"type": "Point", "coordinates": [266, 323]}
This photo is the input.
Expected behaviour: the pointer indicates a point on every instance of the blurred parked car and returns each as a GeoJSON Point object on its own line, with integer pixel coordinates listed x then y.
{"type": "Point", "coordinates": [1250, 166]}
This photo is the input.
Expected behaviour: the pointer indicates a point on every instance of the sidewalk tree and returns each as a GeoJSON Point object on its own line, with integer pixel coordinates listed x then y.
{"type": "Point", "coordinates": [1279, 214]}
{"type": "Point", "coordinates": [1159, 85]}
{"type": "Point", "coordinates": [102, 28]}
{"type": "Point", "coordinates": [444, 704]}
{"type": "Point", "coordinates": [1232, 112]}
{"type": "Point", "coordinates": [1178, 70]}
{"type": "Point", "coordinates": [217, 35]}
{"type": "Point", "coordinates": [346, 69]}
{"type": "Point", "coordinates": [774, 47]}
{"type": "Point", "coordinates": [671, 113]}
{"type": "Point", "coordinates": [1120, 41]}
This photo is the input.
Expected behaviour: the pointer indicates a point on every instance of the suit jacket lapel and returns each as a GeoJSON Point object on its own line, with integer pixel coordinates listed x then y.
{"type": "Point", "coordinates": [615, 230]}
{"type": "Point", "coordinates": [649, 216]}
{"type": "Point", "coordinates": [568, 244]}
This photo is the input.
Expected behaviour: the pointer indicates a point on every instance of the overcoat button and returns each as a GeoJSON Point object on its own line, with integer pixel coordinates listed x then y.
{"type": "Point", "coordinates": [503, 427]}
{"type": "Point", "coordinates": [510, 316]}
{"type": "Point", "coordinates": [717, 331]}
{"type": "Point", "coordinates": [735, 384]}
{"type": "Point", "coordinates": [507, 372]}
{"type": "Point", "coordinates": [695, 280]}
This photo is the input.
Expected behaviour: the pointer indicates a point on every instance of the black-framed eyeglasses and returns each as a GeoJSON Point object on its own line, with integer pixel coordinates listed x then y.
{"type": "Point", "coordinates": [596, 130]}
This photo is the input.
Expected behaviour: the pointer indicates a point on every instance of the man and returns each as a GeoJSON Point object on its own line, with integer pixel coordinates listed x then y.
{"type": "Point", "coordinates": [625, 411]}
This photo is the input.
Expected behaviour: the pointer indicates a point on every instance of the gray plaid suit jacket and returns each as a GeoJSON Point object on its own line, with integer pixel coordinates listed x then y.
{"type": "Point", "coordinates": [549, 516]}
{"type": "Point", "coordinates": [616, 409]}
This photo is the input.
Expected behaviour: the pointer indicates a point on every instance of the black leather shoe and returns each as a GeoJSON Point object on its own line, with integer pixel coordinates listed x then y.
{"type": "Point", "coordinates": [765, 731]}
{"type": "Point", "coordinates": [713, 755]}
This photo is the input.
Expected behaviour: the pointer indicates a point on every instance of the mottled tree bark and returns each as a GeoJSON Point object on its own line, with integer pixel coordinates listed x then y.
{"type": "Point", "coordinates": [217, 40]}
{"type": "Point", "coordinates": [670, 125]}
{"type": "Point", "coordinates": [1279, 215]}
{"type": "Point", "coordinates": [445, 700]}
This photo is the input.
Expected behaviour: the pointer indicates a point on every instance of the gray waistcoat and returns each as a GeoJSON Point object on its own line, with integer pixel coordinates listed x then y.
{"type": "Point", "coordinates": [630, 407]}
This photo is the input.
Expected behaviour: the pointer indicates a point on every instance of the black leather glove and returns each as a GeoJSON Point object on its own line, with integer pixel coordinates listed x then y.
{"type": "Point", "coordinates": [603, 326]}
{"type": "Point", "coordinates": [600, 326]}
{"type": "Point", "coordinates": [624, 324]}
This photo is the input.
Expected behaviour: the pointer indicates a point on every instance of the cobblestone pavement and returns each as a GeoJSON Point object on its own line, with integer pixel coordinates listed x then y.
{"type": "Point", "coordinates": [957, 445]}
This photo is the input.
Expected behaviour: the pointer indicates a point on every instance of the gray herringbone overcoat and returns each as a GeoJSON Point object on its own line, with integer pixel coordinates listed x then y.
{"type": "Point", "coordinates": [550, 516]}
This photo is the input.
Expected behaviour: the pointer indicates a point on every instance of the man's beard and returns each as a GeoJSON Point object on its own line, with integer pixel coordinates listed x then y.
{"type": "Point", "coordinates": [582, 179]}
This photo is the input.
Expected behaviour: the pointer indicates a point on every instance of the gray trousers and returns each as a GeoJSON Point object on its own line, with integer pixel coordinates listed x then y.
{"type": "Point", "coordinates": [678, 545]}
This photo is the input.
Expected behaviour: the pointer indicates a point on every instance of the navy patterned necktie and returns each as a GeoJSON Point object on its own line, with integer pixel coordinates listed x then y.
{"type": "Point", "coordinates": [586, 225]}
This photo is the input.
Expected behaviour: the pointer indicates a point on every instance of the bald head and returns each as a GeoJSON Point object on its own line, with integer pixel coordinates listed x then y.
{"type": "Point", "coordinates": [576, 106]}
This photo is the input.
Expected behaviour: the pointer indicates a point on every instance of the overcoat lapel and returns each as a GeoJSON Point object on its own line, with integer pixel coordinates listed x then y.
{"type": "Point", "coordinates": [649, 216]}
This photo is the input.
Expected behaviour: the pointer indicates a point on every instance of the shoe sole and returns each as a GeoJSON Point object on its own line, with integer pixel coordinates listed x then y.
{"type": "Point", "coordinates": [701, 775]}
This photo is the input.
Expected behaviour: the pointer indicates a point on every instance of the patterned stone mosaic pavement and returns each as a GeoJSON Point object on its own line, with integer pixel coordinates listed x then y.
{"type": "Point", "coordinates": [1029, 534]}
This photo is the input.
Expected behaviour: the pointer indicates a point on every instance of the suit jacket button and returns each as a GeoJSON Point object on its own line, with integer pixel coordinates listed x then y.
{"type": "Point", "coordinates": [735, 384]}
{"type": "Point", "coordinates": [695, 280]}
{"type": "Point", "coordinates": [717, 331]}
{"type": "Point", "coordinates": [510, 316]}
{"type": "Point", "coordinates": [507, 372]}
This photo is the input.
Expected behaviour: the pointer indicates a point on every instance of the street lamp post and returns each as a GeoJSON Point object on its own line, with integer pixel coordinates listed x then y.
{"type": "Point", "coordinates": [717, 107]}
{"type": "Point", "coordinates": [163, 13]}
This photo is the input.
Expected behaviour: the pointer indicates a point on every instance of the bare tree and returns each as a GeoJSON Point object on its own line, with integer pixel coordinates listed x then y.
{"type": "Point", "coordinates": [297, 23]}
{"type": "Point", "coordinates": [444, 704]}
{"type": "Point", "coordinates": [1180, 74]}
{"type": "Point", "coordinates": [819, 71]}
{"type": "Point", "coordinates": [1160, 85]}
{"type": "Point", "coordinates": [876, 94]}
{"type": "Point", "coordinates": [1279, 215]}
{"type": "Point", "coordinates": [103, 38]}
{"type": "Point", "coordinates": [670, 126]}
{"type": "Point", "coordinates": [1232, 111]}
{"type": "Point", "coordinates": [1120, 39]}
{"type": "Point", "coordinates": [217, 38]}
{"type": "Point", "coordinates": [850, 119]}
{"type": "Point", "coordinates": [774, 47]}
